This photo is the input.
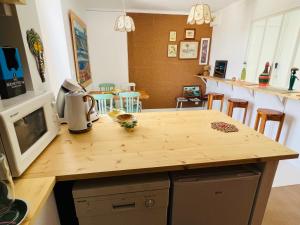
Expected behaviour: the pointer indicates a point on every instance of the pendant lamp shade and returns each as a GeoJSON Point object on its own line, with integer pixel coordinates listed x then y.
{"type": "Point", "coordinates": [200, 14]}
{"type": "Point", "coordinates": [124, 23]}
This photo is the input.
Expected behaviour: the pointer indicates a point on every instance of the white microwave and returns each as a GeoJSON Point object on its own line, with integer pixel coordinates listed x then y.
{"type": "Point", "coordinates": [28, 123]}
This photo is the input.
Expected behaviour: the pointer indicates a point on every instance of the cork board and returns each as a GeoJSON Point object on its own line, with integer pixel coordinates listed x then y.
{"type": "Point", "coordinates": [149, 66]}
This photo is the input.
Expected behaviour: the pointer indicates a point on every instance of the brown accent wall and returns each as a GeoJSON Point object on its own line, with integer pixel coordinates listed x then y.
{"type": "Point", "coordinates": [149, 66]}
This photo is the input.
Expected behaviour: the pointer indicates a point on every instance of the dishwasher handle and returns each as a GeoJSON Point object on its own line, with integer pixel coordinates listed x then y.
{"type": "Point", "coordinates": [123, 206]}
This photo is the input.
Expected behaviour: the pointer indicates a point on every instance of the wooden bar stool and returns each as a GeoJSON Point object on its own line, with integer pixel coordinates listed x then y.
{"type": "Point", "coordinates": [264, 115]}
{"type": "Point", "coordinates": [215, 97]}
{"type": "Point", "coordinates": [237, 103]}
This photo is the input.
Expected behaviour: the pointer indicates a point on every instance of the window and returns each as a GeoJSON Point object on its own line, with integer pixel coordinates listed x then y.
{"type": "Point", "coordinates": [276, 40]}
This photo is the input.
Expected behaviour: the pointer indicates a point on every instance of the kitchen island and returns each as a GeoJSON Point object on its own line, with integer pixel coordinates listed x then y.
{"type": "Point", "coordinates": [162, 141]}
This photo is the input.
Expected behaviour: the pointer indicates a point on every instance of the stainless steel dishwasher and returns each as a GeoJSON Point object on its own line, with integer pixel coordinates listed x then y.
{"type": "Point", "coordinates": [214, 196]}
{"type": "Point", "coordinates": [129, 200]}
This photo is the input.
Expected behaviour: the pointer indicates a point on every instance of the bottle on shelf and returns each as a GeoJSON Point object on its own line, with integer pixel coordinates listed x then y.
{"type": "Point", "coordinates": [243, 74]}
{"type": "Point", "coordinates": [293, 78]}
{"type": "Point", "coordinates": [265, 77]}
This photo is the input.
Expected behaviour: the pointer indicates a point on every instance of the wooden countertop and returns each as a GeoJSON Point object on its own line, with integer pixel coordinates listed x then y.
{"type": "Point", "coordinates": [35, 192]}
{"type": "Point", "coordinates": [255, 87]}
{"type": "Point", "coordinates": [162, 141]}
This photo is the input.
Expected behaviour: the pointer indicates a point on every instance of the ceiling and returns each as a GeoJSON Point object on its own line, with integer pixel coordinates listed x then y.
{"type": "Point", "coordinates": [172, 6]}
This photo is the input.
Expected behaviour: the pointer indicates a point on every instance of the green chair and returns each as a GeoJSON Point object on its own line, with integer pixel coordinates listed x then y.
{"type": "Point", "coordinates": [104, 103]}
{"type": "Point", "coordinates": [107, 86]}
{"type": "Point", "coordinates": [130, 102]}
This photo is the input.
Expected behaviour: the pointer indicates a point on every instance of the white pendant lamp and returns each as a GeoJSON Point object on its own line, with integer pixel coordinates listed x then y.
{"type": "Point", "coordinates": [200, 14]}
{"type": "Point", "coordinates": [124, 23]}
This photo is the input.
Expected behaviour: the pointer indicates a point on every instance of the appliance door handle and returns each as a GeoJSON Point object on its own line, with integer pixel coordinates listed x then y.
{"type": "Point", "coordinates": [85, 98]}
{"type": "Point", "coordinates": [123, 206]}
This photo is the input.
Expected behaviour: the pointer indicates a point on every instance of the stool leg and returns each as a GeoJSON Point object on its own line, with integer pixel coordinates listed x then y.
{"type": "Point", "coordinates": [222, 102]}
{"type": "Point", "coordinates": [209, 102]}
{"type": "Point", "coordinates": [230, 109]}
{"type": "Point", "coordinates": [256, 122]}
{"type": "Point", "coordinates": [280, 128]}
{"type": "Point", "coordinates": [176, 104]}
{"type": "Point", "coordinates": [263, 124]}
{"type": "Point", "coordinates": [180, 105]}
{"type": "Point", "coordinates": [245, 115]}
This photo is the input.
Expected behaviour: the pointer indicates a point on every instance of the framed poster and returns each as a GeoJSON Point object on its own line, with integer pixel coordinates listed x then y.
{"type": "Point", "coordinates": [204, 51]}
{"type": "Point", "coordinates": [172, 36]}
{"type": "Point", "coordinates": [190, 34]}
{"type": "Point", "coordinates": [172, 51]}
{"type": "Point", "coordinates": [188, 50]}
{"type": "Point", "coordinates": [81, 52]}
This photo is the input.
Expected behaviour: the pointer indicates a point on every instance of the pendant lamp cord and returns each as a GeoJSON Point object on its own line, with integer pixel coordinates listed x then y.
{"type": "Point", "coordinates": [124, 6]}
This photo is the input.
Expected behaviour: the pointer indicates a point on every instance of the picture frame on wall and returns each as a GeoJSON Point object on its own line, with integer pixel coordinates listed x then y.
{"type": "Point", "coordinates": [190, 34]}
{"type": "Point", "coordinates": [80, 50]}
{"type": "Point", "coordinates": [172, 51]}
{"type": "Point", "coordinates": [188, 50]}
{"type": "Point", "coordinates": [172, 36]}
{"type": "Point", "coordinates": [204, 51]}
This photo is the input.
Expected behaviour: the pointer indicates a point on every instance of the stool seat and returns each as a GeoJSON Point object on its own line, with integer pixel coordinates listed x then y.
{"type": "Point", "coordinates": [237, 103]}
{"type": "Point", "coordinates": [264, 115]}
{"type": "Point", "coordinates": [237, 100]}
{"type": "Point", "coordinates": [269, 112]}
{"type": "Point", "coordinates": [215, 96]}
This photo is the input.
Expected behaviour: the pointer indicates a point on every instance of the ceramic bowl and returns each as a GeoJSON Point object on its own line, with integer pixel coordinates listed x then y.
{"type": "Point", "coordinates": [128, 121]}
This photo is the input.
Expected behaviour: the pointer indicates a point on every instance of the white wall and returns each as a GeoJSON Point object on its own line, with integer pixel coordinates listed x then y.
{"type": "Point", "coordinates": [230, 35]}
{"type": "Point", "coordinates": [268, 7]}
{"type": "Point", "coordinates": [78, 7]}
{"type": "Point", "coordinates": [28, 18]}
{"type": "Point", "coordinates": [229, 41]}
{"type": "Point", "coordinates": [55, 43]}
{"type": "Point", "coordinates": [108, 48]}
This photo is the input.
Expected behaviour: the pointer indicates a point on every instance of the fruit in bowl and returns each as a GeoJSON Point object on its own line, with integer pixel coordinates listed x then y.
{"type": "Point", "coordinates": [128, 121]}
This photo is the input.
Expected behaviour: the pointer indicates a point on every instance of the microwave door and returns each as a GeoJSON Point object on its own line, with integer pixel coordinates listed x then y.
{"type": "Point", "coordinates": [30, 129]}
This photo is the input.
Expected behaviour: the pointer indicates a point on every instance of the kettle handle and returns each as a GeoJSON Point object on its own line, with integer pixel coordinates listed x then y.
{"type": "Point", "coordinates": [85, 98]}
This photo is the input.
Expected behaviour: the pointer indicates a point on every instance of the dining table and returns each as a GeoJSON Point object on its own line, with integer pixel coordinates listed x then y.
{"type": "Point", "coordinates": [143, 94]}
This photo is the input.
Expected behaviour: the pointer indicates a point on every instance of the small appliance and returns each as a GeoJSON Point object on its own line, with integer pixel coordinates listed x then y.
{"type": "Point", "coordinates": [220, 68]}
{"type": "Point", "coordinates": [70, 85]}
{"type": "Point", "coordinates": [79, 111]}
{"type": "Point", "coordinates": [28, 123]}
{"type": "Point", "coordinates": [133, 200]}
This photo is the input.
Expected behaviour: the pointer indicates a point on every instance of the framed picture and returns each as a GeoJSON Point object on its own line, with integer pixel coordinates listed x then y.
{"type": "Point", "coordinates": [190, 34]}
{"type": "Point", "coordinates": [204, 51]}
{"type": "Point", "coordinates": [188, 50]}
{"type": "Point", "coordinates": [80, 47]}
{"type": "Point", "coordinates": [172, 51]}
{"type": "Point", "coordinates": [172, 36]}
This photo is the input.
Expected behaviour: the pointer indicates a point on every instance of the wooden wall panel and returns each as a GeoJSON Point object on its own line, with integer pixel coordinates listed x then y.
{"type": "Point", "coordinates": [149, 66]}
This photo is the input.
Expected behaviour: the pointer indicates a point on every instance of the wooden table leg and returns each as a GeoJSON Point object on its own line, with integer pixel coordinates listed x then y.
{"type": "Point", "coordinates": [257, 122]}
{"type": "Point", "coordinates": [230, 109]}
{"type": "Point", "coordinates": [245, 115]}
{"type": "Point", "coordinates": [280, 128]}
{"type": "Point", "coordinates": [263, 192]}
{"type": "Point", "coordinates": [263, 123]}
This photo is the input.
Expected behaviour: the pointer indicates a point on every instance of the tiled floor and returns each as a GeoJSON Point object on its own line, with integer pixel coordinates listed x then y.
{"type": "Point", "coordinates": [284, 206]}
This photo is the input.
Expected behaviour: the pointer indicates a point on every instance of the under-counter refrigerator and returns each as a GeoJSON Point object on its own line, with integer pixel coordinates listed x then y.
{"type": "Point", "coordinates": [213, 197]}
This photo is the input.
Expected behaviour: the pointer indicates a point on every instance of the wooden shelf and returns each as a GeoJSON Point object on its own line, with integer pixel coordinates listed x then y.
{"type": "Point", "coordinates": [255, 87]}
{"type": "Point", "coordinates": [35, 192]}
